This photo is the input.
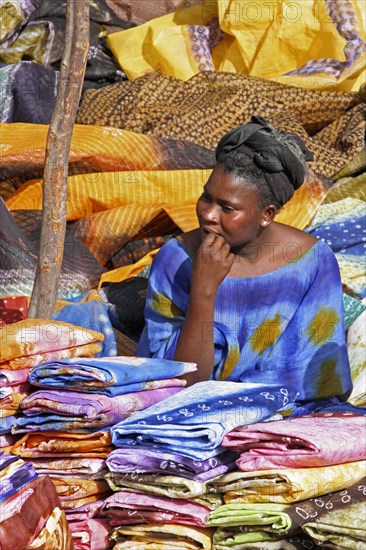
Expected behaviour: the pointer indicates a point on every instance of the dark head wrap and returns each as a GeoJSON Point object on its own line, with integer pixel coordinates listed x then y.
{"type": "Point", "coordinates": [282, 170]}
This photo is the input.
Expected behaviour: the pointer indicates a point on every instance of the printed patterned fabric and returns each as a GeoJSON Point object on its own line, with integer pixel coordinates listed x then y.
{"type": "Point", "coordinates": [154, 461]}
{"type": "Point", "coordinates": [342, 225]}
{"type": "Point", "coordinates": [303, 297]}
{"type": "Point", "coordinates": [235, 37]}
{"type": "Point", "coordinates": [137, 11]}
{"type": "Point", "coordinates": [335, 519]}
{"type": "Point", "coordinates": [162, 537]}
{"type": "Point", "coordinates": [63, 445]}
{"type": "Point", "coordinates": [75, 492]}
{"type": "Point", "coordinates": [124, 508]}
{"type": "Point", "coordinates": [290, 485]}
{"type": "Point", "coordinates": [156, 484]}
{"type": "Point", "coordinates": [110, 375]}
{"type": "Point", "coordinates": [34, 336]}
{"type": "Point", "coordinates": [194, 422]}
{"type": "Point", "coordinates": [356, 346]}
{"type": "Point", "coordinates": [57, 410]}
{"type": "Point", "coordinates": [25, 514]}
{"type": "Point", "coordinates": [21, 99]}
{"type": "Point", "coordinates": [14, 474]}
{"type": "Point", "coordinates": [91, 534]}
{"type": "Point", "coordinates": [301, 442]}
{"type": "Point", "coordinates": [344, 16]}
{"type": "Point", "coordinates": [330, 122]}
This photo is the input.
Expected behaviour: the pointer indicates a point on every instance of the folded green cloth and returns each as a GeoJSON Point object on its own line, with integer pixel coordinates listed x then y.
{"type": "Point", "coordinates": [267, 517]}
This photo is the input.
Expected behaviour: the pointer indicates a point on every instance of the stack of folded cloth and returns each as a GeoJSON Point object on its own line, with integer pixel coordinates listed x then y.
{"type": "Point", "coordinates": [166, 457]}
{"type": "Point", "coordinates": [67, 427]}
{"type": "Point", "coordinates": [30, 509]}
{"type": "Point", "coordinates": [300, 482]}
{"type": "Point", "coordinates": [25, 344]}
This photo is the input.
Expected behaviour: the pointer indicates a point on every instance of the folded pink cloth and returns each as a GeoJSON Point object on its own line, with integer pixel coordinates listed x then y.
{"type": "Point", "coordinates": [303, 442]}
{"type": "Point", "coordinates": [13, 377]}
{"type": "Point", "coordinates": [123, 508]}
{"type": "Point", "coordinates": [92, 534]}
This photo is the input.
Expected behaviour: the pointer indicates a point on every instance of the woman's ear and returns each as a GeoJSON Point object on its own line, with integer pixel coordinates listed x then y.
{"type": "Point", "coordinates": [268, 215]}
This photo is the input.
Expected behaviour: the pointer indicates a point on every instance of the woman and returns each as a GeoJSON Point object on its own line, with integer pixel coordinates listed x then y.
{"type": "Point", "coordinates": [243, 296]}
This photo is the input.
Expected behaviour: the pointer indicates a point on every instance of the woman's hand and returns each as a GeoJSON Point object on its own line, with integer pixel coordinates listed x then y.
{"type": "Point", "coordinates": [211, 265]}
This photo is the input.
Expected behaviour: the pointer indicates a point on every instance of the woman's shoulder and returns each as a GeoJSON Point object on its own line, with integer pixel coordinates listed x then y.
{"type": "Point", "coordinates": [297, 237]}
{"type": "Point", "coordinates": [171, 255]}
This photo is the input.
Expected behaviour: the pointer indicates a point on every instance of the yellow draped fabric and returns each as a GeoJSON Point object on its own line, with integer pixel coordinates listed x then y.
{"type": "Point", "coordinates": [264, 39]}
{"type": "Point", "coordinates": [286, 485]}
{"type": "Point", "coordinates": [115, 210]}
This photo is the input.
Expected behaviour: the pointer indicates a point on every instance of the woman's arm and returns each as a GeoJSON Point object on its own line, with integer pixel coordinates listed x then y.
{"type": "Point", "coordinates": [212, 263]}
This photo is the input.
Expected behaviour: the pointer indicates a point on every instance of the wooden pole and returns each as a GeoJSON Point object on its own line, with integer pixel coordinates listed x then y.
{"type": "Point", "coordinates": [73, 64]}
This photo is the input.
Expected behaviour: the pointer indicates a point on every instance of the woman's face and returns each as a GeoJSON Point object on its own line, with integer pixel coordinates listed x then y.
{"type": "Point", "coordinates": [230, 209]}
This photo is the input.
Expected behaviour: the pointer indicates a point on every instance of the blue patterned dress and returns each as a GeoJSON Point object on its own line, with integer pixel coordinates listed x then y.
{"type": "Point", "coordinates": [283, 327]}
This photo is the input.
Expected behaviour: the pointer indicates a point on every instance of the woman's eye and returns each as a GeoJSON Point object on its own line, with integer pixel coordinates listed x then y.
{"type": "Point", "coordinates": [227, 208]}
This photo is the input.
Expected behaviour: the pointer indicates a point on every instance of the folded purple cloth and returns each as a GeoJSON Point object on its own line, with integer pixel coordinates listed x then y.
{"type": "Point", "coordinates": [151, 461]}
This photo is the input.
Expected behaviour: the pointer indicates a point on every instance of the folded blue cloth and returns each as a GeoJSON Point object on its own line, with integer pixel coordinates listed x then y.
{"type": "Point", "coordinates": [19, 475]}
{"type": "Point", "coordinates": [194, 422]}
{"type": "Point", "coordinates": [107, 375]}
{"type": "Point", "coordinates": [6, 423]}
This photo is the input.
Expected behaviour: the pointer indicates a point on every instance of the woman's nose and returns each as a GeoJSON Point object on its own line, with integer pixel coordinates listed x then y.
{"type": "Point", "coordinates": [210, 213]}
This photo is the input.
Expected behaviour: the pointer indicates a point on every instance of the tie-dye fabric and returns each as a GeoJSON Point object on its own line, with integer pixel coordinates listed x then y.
{"type": "Point", "coordinates": [91, 468]}
{"type": "Point", "coordinates": [57, 410]}
{"type": "Point", "coordinates": [63, 445]}
{"type": "Point", "coordinates": [33, 336]}
{"type": "Point", "coordinates": [155, 461]}
{"type": "Point", "coordinates": [75, 492]}
{"type": "Point", "coordinates": [194, 422]}
{"type": "Point", "coordinates": [109, 375]}
{"type": "Point", "coordinates": [6, 423]}
{"type": "Point", "coordinates": [292, 331]}
{"type": "Point", "coordinates": [124, 508]}
{"type": "Point", "coordinates": [303, 442]}
{"type": "Point", "coordinates": [286, 485]}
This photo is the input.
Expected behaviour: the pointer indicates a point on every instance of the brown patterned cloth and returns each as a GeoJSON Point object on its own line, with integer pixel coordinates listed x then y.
{"type": "Point", "coordinates": [204, 108]}
{"type": "Point", "coordinates": [32, 514]}
{"type": "Point", "coordinates": [140, 11]}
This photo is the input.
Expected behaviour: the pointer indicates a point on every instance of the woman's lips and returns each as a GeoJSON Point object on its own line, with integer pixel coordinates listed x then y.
{"type": "Point", "coordinates": [210, 230]}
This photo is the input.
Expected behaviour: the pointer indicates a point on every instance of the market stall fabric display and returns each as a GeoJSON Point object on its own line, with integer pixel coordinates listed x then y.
{"type": "Point", "coordinates": [164, 82]}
